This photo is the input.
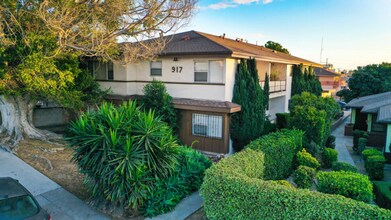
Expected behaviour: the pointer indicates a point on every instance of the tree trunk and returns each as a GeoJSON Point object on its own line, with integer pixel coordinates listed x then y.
{"type": "Point", "coordinates": [17, 121]}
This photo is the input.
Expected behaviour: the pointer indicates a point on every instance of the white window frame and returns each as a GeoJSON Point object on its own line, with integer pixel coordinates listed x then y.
{"type": "Point", "coordinates": [161, 68]}
{"type": "Point", "coordinates": [208, 76]}
{"type": "Point", "coordinates": [207, 71]}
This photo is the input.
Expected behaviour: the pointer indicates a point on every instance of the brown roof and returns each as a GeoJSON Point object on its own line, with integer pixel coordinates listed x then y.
{"type": "Point", "coordinates": [198, 43]}
{"type": "Point", "coordinates": [206, 105]}
{"type": "Point", "coordinates": [325, 72]}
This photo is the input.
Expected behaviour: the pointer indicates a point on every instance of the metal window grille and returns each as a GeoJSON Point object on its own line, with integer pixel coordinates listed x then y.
{"type": "Point", "coordinates": [207, 125]}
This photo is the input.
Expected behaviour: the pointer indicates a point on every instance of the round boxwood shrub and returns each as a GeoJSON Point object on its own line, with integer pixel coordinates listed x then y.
{"type": "Point", "coordinates": [375, 167]}
{"type": "Point", "coordinates": [306, 159]}
{"type": "Point", "coordinates": [304, 176]}
{"type": "Point", "coordinates": [348, 184]}
{"type": "Point", "coordinates": [342, 166]}
{"type": "Point", "coordinates": [329, 156]}
{"type": "Point", "coordinates": [370, 152]}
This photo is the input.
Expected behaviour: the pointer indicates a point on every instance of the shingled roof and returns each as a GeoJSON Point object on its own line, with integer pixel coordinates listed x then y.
{"type": "Point", "coordinates": [379, 103]}
{"type": "Point", "coordinates": [325, 72]}
{"type": "Point", "coordinates": [198, 43]}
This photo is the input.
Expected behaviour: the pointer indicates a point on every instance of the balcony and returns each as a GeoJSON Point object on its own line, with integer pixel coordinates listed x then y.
{"type": "Point", "coordinates": [332, 84]}
{"type": "Point", "coordinates": [275, 86]}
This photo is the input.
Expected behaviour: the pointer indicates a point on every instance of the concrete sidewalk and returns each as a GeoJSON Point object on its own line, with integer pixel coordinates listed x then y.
{"type": "Point", "coordinates": [341, 142]}
{"type": "Point", "coordinates": [57, 201]}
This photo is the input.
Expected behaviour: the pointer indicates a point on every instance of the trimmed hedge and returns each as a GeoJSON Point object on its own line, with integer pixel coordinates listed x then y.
{"type": "Point", "coordinates": [382, 192]}
{"type": "Point", "coordinates": [356, 135]}
{"type": "Point", "coordinates": [306, 159]}
{"type": "Point", "coordinates": [352, 185]}
{"type": "Point", "coordinates": [304, 176]}
{"type": "Point", "coordinates": [370, 152]}
{"type": "Point", "coordinates": [282, 183]}
{"type": "Point", "coordinates": [232, 190]}
{"type": "Point", "coordinates": [375, 167]}
{"type": "Point", "coordinates": [342, 166]}
{"type": "Point", "coordinates": [329, 156]}
{"type": "Point", "coordinates": [280, 149]}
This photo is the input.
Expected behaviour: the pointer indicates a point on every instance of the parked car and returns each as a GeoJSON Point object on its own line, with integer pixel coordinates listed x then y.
{"type": "Point", "coordinates": [16, 202]}
{"type": "Point", "coordinates": [343, 105]}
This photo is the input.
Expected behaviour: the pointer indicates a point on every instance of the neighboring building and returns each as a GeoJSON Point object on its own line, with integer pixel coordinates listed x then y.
{"type": "Point", "coordinates": [373, 114]}
{"type": "Point", "coordinates": [330, 80]}
{"type": "Point", "coordinates": [198, 70]}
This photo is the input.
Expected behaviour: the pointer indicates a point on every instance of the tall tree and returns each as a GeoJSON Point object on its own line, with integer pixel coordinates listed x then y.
{"type": "Point", "coordinates": [304, 80]}
{"type": "Point", "coordinates": [41, 40]}
{"type": "Point", "coordinates": [368, 80]}
{"type": "Point", "coordinates": [266, 92]}
{"type": "Point", "coordinates": [248, 124]}
{"type": "Point", "coordinates": [276, 46]}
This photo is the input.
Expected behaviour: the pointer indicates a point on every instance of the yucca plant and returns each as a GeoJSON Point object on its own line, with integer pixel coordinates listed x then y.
{"type": "Point", "coordinates": [122, 151]}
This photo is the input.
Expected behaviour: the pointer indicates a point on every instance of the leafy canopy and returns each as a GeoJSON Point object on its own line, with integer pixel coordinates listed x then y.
{"type": "Point", "coordinates": [276, 46]}
{"type": "Point", "coordinates": [368, 80]}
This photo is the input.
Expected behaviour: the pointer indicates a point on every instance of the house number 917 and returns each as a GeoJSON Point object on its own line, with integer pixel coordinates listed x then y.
{"type": "Point", "coordinates": [176, 69]}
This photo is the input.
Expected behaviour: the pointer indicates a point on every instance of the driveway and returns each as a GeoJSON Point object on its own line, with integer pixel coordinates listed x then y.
{"type": "Point", "coordinates": [57, 201]}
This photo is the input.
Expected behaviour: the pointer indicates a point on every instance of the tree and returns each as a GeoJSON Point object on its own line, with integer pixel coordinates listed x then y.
{"type": "Point", "coordinates": [156, 98]}
{"type": "Point", "coordinates": [266, 92]}
{"type": "Point", "coordinates": [368, 80]}
{"type": "Point", "coordinates": [304, 80]}
{"type": "Point", "coordinates": [276, 46]}
{"type": "Point", "coordinates": [248, 124]}
{"type": "Point", "coordinates": [42, 40]}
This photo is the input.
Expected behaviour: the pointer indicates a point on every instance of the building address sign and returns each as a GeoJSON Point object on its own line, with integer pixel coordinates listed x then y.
{"type": "Point", "coordinates": [176, 69]}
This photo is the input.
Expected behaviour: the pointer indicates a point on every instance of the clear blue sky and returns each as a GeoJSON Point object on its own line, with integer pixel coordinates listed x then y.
{"type": "Point", "coordinates": [354, 32]}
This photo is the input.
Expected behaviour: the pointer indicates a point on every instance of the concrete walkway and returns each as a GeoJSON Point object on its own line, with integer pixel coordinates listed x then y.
{"type": "Point", "coordinates": [57, 201]}
{"type": "Point", "coordinates": [184, 209]}
{"type": "Point", "coordinates": [341, 142]}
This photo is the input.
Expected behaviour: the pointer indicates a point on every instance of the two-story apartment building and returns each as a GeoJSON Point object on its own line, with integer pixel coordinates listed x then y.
{"type": "Point", "coordinates": [199, 70]}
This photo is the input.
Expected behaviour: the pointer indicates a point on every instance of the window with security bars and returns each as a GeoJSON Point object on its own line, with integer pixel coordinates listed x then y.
{"type": "Point", "coordinates": [207, 125]}
{"type": "Point", "coordinates": [156, 68]}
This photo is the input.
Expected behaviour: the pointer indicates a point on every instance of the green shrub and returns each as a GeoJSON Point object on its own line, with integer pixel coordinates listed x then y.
{"type": "Point", "coordinates": [280, 149]}
{"type": "Point", "coordinates": [156, 98]}
{"type": "Point", "coordinates": [356, 135]}
{"type": "Point", "coordinates": [330, 143]}
{"type": "Point", "coordinates": [329, 156]}
{"type": "Point", "coordinates": [120, 149]}
{"type": "Point", "coordinates": [312, 121]}
{"type": "Point", "coordinates": [375, 167]}
{"type": "Point", "coordinates": [362, 144]}
{"type": "Point", "coordinates": [342, 166]}
{"type": "Point", "coordinates": [187, 178]}
{"type": "Point", "coordinates": [282, 120]}
{"type": "Point", "coordinates": [382, 191]}
{"type": "Point", "coordinates": [229, 193]}
{"type": "Point", "coordinates": [306, 159]}
{"type": "Point", "coordinates": [304, 176]}
{"type": "Point", "coordinates": [282, 183]}
{"type": "Point", "coordinates": [370, 152]}
{"type": "Point", "coordinates": [348, 184]}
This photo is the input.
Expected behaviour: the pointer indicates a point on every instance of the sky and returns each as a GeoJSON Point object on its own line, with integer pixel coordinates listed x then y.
{"type": "Point", "coordinates": [354, 32]}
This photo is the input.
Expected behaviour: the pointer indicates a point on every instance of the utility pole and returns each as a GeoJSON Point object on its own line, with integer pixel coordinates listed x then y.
{"type": "Point", "coordinates": [321, 51]}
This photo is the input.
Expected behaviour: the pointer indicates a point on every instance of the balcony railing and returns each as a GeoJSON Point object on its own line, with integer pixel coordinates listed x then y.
{"type": "Point", "coordinates": [275, 86]}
